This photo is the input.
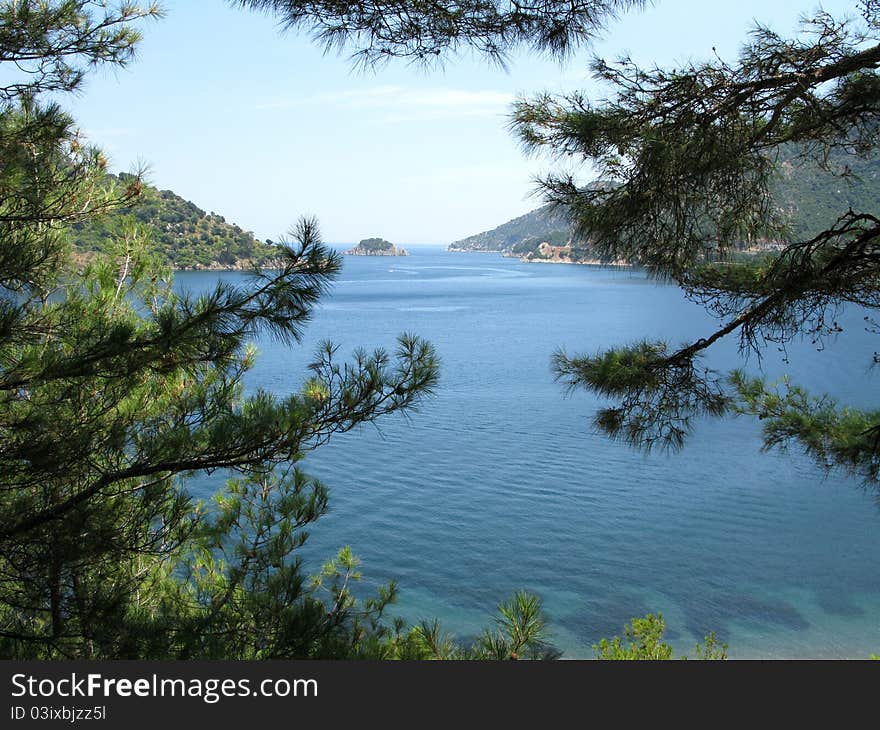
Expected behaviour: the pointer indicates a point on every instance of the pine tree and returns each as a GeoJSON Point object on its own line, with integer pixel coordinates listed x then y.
{"type": "Point", "coordinates": [379, 30]}
{"type": "Point", "coordinates": [645, 637]}
{"type": "Point", "coordinates": [114, 386]}
{"type": "Point", "coordinates": [687, 160]}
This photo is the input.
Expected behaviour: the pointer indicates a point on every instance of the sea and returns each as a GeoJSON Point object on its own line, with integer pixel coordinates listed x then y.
{"type": "Point", "coordinates": [500, 483]}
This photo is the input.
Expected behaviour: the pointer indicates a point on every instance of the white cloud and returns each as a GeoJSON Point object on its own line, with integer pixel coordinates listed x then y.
{"type": "Point", "coordinates": [399, 103]}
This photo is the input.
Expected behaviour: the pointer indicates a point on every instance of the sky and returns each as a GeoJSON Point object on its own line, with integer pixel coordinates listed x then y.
{"type": "Point", "coordinates": [263, 127]}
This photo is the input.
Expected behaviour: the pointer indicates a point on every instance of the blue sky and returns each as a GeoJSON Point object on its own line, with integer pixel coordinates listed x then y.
{"type": "Point", "coordinates": [263, 127]}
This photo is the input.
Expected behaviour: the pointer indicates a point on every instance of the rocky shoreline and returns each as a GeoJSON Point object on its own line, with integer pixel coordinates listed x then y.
{"type": "Point", "coordinates": [547, 254]}
{"type": "Point", "coordinates": [580, 262]}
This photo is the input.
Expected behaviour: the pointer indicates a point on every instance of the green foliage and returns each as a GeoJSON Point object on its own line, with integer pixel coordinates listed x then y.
{"type": "Point", "coordinates": [237, 589]}
{"type": "Point", "coordinates": [182, 235]}
{"type": "Point", "coordinates": [645, 641]}
{"type": "Point", "coordinates": [644, 637]}
{"type": "Point", "coordinates": [805, 193]}
{"type": "Point", "coordinates": [659, 393]}
{"type": "Point", "coordinates": [114, 387]}
{"type": "Point", "coordinates": [811, 194]}
{"type": "Point", "coordinates": [535, 227]}
{"type": "Point", "coordinates": [53, 44]}
{"type": "Point", "coordinates": [136, 387]}
{"type": "Point", "coordinates": [426, 32]}
{"type": "Point", "coordinates": [701, 163]}
{"type": "Point", "coordinates": [711, 650]}
{"type": "Point", "coordinates": [519, 633]}
{"type": "Point", "coordinates": [375, 244]}
{"type": "Point", "coordinates": [834, 436]}
{"type": "Point", "coordinates": [530, 244]}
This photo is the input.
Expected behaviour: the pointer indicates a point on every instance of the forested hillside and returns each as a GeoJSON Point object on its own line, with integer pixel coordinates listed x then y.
{"type": "Point", "coordinates": [815, 198]}
{"type": "Point", "coordinates": [183, 234]}
{"type": "Point", "coordinates": [811, 197]}
{"type": "Point", "coordinates": [538, 224]}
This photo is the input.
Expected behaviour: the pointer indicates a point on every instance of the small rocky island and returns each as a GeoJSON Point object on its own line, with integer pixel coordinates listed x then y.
{"type": "Point", "coordinates": [376, 247]}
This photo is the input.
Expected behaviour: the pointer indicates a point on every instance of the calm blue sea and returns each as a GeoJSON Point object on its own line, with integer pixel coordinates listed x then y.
{"type": "Point", "coordinates": [498, 483]}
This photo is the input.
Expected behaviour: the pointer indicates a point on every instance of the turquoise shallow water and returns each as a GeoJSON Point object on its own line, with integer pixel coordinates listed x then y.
{"type": "Point", "coordinates": [498, 482]}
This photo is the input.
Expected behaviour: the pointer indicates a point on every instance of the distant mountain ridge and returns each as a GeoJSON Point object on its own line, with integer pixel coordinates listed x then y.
{"type": "Point", "coordinates": [184, 235]}
{"type": "Point", "coordinates": [538, 223]}
{"type": "Point", "coordinates": [812, 197]}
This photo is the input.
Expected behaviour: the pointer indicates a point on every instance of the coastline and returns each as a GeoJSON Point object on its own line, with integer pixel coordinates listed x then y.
{"type": "Point", "coordinates": [584, 262]}
{"type": "Point", "coordinates": [555, 260]}
{"type": "Point", "coordinates": [83, 258]}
